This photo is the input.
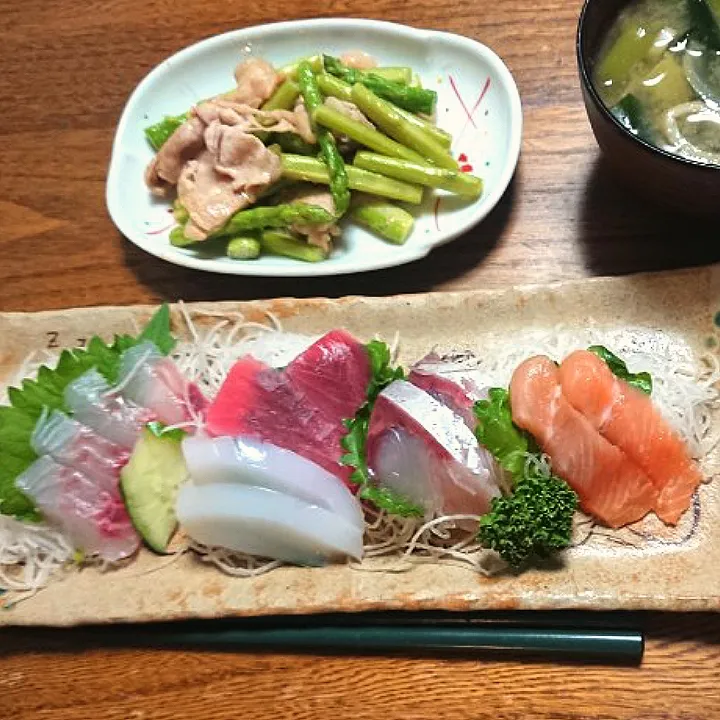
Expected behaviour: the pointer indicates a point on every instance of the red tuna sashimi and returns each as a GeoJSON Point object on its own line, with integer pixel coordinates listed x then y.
{"type": "Point", "coordinates": [448, 392]}
{"type": "Point", "coordinates": [301, 408]}
{"type": "Point", "coordinates": [627, 418]}
{"type": "Point", "coordinates": [609, 484]}
{"type": "Point", "coordinates": [420, 448]}
{"type": "Point", "coordinates": [333, 374]}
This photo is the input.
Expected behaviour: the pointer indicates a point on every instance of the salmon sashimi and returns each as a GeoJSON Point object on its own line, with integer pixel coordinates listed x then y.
{"type": "Point", "coordinates": [627, 418]}
{"type": "Point", "coordinates": [609, 484]}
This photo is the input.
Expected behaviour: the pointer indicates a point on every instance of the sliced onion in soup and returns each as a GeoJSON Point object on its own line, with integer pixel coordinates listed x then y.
{"type": "Point", "coordinates": [694, 130]}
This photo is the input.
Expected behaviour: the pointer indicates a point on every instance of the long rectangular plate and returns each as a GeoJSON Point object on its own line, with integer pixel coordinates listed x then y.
{"type": "Point", "coordinates": [673, 570]}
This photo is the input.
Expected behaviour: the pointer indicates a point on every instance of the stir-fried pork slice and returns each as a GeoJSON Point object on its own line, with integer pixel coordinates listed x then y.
{"type": "Point", "coordinates": [253, 120]}
{"type": "Point", "coordinates": [359, 60]}
{"type": "Point", "coordinates": [226, 177]}
{"type": "Point", "coordinates": [348, 109]}
{"type": "Point", "coordinates": [185, 144]}
{"type": "Point", "coordinates": [256, 81]}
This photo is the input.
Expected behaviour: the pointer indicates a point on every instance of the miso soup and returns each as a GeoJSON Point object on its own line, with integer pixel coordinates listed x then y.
{"type": "Point", "coordinates": [658, 72]}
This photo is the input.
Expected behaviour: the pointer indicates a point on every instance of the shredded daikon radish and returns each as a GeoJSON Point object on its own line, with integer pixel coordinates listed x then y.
{"type": "Point", "coordinates": [30, 554]}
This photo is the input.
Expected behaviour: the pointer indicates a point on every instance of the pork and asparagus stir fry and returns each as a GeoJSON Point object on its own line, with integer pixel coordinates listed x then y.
{"type": "Point", "coordinates": [274, 165]}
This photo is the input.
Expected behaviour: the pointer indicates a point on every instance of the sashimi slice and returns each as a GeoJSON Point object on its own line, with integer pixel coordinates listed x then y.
{"type": "Point", "coordinates": [609, 484]}
{"type": "Point", "coordinates": [94, 404]}
{"type": "Point", "coordinates": [77, 446]}
{"type": "Point", "coordinates": [153, 381]}
{"type": "Point", "coordinates": [248, 461]}
{"type": "Point", "coordinates": [266, 523]}
{"type": "Point", "coordinates": [93, 517]}
{"type": "Point", "coordinates": [302, 408]}
{"type": "Point", "coordinates": [448, 392]}
{"type": "Point", "coordinates": [628, 419]}
{"type": "Point", "coordinates": [423, 450]}
{"type": "Point", "coordinates": [332, 374]}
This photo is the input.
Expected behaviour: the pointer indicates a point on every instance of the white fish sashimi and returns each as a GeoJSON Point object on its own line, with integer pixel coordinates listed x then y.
{"type": "Point", "coordinates": [444, 469]}
{"type": "Point", "coordinates": [93, 517]}
{"type": "Point", "coordinates": [93, 403]}
{"type": "Point", "coordinates": [248, 461]}
{"type": "Point", "coordinates": [401, 462]}
{"type": "Point", "coordinates": [70, 443]}
{"type": "Point", "coordinates": [266, 523]}
{"type": "Point", "coordinates": [153, 381]}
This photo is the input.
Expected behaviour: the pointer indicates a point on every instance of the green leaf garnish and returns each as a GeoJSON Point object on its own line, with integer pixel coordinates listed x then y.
{"type": "Point", "coordinates": [535, 520]}
{"type": "Point", "coordinates": [642, 380]}
{"type": "Point", "coordinates": [497, 433]}
{"type": "Point", "coordinates": [161, 430]}
{"type": "Point", "coordinates": [46, 391]}
{"type": "Point", "coordinates": [355, 440]}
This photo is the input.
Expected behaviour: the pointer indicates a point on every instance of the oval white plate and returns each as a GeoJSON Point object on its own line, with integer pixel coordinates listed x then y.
{"type": "Point", "coordinates": [478, 102]}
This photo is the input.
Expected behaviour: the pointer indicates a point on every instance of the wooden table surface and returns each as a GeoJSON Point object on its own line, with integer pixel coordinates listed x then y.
{"type": "Point", "coordinates": [67, 69]}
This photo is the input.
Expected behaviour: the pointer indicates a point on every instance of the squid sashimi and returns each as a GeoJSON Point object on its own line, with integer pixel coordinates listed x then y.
{"type": "Point", "coordinates": [94, 404]}
{"type": "Point", "coordinates": [267, 523]}
{"type": "Point", "coordinates": [447, 391]}
{"type": "Point", "coordinates": [247, 461]}
{"type": "Point", "coordinates": [609, 484]}
{"type": "Point", "coordinates": [628, 419]}
{"type": "Point", "coordinates": [420, 448]}
{"type": "Point", "coordinates": [77, 446]}
{"type": "Point", "coordinates": [92, 516]}
{"type": "Point", "coordinates": [301, 408]}
{"type": "Point", "coordinates": [151, 380]}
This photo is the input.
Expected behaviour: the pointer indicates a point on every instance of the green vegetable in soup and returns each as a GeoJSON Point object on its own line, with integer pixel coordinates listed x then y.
{"type": "Point", "coordinates": [634, 44]}
{"type": "Point", "coordinates": [663, 87]}
{"type": "Point", "coordinates": [630, 112]}
{"type": "Point", "coordinates": [705, 18]}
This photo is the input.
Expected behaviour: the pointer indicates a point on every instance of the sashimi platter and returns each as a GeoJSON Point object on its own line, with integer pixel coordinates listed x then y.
{"type": "Point", "coordinates": [536, 447]}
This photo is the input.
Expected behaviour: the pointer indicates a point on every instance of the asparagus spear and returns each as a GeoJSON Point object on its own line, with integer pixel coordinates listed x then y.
{"type": "Point", "coordinates": [292, 143]}
{"type": "Point", "coordinates": [258, 218]}
{"type": "Point", "coordinates": [274, 216]}
{"type": "Point", "coordinates": [177, 237]}
{"type": "Point", "coordinates": [344, 125]}
{"type": "Point", "coordinates": [180, 212]}
{"type": "Point", "coordinates": [384, 115]}
{"type": "Point", "coordinates": [278, 242]}
{"type": "Point", "coordinates": [159, 133]}
{"type": "Point", "coordinates": [330, 85]}
{"type": "Point", "coordinates": [243, 247]}
{"type": "Point", "coordinates": [290, 71]}
{"type": "Point", "coordinates": [450, 180]}
{"type": "Point", "coordinates": [284, 97]}
{"type": "Point", "coordinates": [330, 153]}
{"type": "Point", "coordinates": [298, 167]}
{"type": "Point", "coordinates": [402, 75]}
{"type": "Point", "coordinates": [404, 96]}
{"type": "Point", "coordinates": [387, 220]}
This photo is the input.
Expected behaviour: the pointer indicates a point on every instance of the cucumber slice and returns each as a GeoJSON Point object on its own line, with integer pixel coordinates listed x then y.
{"type": "Point", "coordinates": [149, 483]}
